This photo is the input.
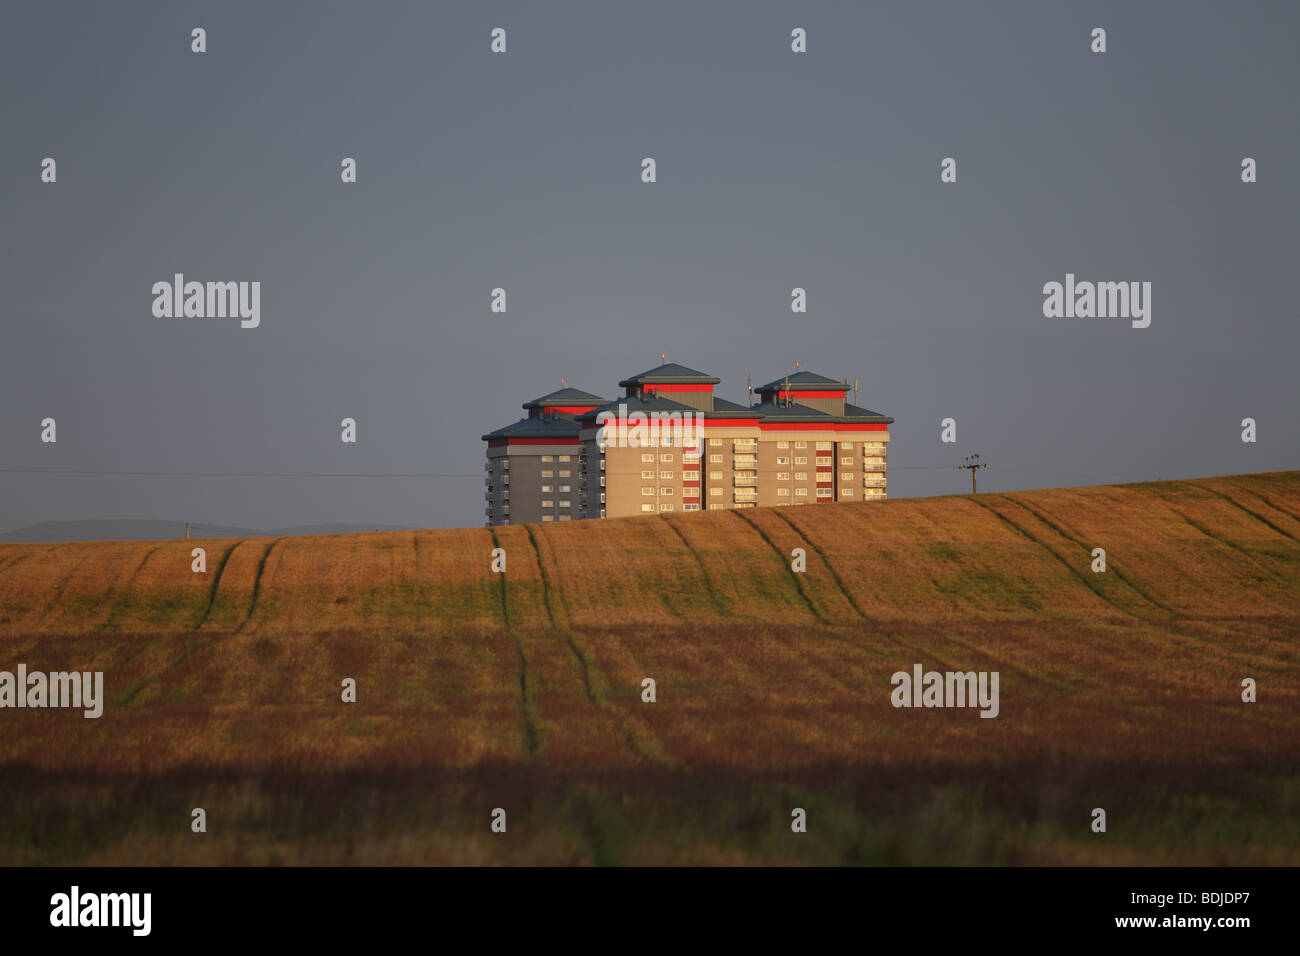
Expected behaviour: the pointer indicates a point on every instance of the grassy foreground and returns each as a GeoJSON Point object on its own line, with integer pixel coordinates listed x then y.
{"type": "Point", "coordinates": [522, 691]}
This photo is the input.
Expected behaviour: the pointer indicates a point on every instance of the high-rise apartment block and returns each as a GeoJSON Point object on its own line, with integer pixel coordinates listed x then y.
{"type": "Point", "coordinates": [671, 444]}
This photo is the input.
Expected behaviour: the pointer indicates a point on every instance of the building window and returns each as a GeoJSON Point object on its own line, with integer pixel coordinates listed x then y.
{"type": "Point", "coordinates": [548, 474]}
{"type": "Point", "coordinates": [648, 507]}
{"type": "Point", "coordinates": [665, 491]}
{"type": "Point", "coordinates": [665, 457]}
{"type": "Point", "coordinates": [801, 461]}
{"type": "Point", "coordinates": [801, 444]}
{"type": "Point", "coordinates": [565, 457]}
{"type": "Point", "coordinates": [715, 492]}
{"type": "Point", "coordinates": [782, 460]}
{"type": "Point", "coordinates": [565, 503]}
{"type": "Point", "coordinates": [666, 474]}
{"type": "Point", "coordinates": [801, 476]}
{"type": "Point", "coordinates": [715, 507]}
{"type": "Point", "coordinates": [647, 474]}
{"type": "Point", "coordinates": [690, 459]}
{"type": "Point", "coordinates": [846, 493]}
{"type": "Point", "coordinates": [783, 476]}
{"type": "Point", "coordinates": [548, 504]}
{"type": "Point", "coordinates": [566, 474]}
{"type": "Point", "coordinates": [823, 446]}
{"type": "Point", "coordinates": [846, 476]}
{"type": "Point", "coordinates": [646, 458]}
{"type": "Point", "coordinates": [690, 507]}
{"type": "Point", "coordinates": [715, 459]}
{"type": "Point", "coordinates": [665, 507]}
{"type": "Point", "coordinates": [715, 476]}
{"type": "Point", "coordinates": [715, 442]}
{"type": "Point", "coordinates": [783, 492]}
{"type": "Point", "coordinates": [783, 444]}
{"type": "Point", "coordinates": [548, 458]}
{"type": "Point", "coordinates": [846, 445]}
{"type": "Point", "coordinates": [846, 461]}
{"type": "Point", "coordinates": [647, 492]}
{"type": "Point", "coordinates": [548, 517]}
{"type": "Point", "coordinates": [801, 492]}
{"type": "Point", "coordinates": [602, 501]}
{"type": "Point", "coordinates": [824, 492]}
{"type": "Point", "coordinates": [564, 489]}
{"type": "Point", "coordinates": [565, 518]}
{"type": "Point", "coordinates": [602, 512]}
{"type": "Point", "coordinates": [546, 489]}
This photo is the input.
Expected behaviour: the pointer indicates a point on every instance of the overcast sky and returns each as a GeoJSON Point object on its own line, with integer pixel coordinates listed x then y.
{"type": "Point", "coordinates": [775, 170]}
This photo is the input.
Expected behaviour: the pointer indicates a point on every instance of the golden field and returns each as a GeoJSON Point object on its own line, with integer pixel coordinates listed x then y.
{"type": "Point", "coordinates": [477, 690]}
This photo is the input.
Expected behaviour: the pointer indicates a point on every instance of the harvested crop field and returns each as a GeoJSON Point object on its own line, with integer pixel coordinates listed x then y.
{"type": "Point", "coordinates": [1119, 690]}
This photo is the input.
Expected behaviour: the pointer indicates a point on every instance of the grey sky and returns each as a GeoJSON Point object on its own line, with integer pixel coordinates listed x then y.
{"type": "Point", "coordinates": [522, 170]}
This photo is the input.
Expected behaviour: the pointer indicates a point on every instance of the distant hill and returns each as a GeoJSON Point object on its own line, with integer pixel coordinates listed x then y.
{"type": "Point", "coordinates": [148, 529]}
{"type": "Point", "coordinates": [1119, 688]}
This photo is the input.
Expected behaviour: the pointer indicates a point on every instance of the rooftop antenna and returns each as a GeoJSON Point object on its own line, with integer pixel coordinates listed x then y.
{"type": "Point", "coordinates": [664, 357]}
{"type": "Point", "coordinates": [787, 387]}
{"type": "Point", "coordinates": [855, 390]}
{"type": "Point", "coordinates": [749, 384]}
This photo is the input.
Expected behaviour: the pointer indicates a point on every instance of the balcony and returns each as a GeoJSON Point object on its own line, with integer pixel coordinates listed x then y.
{"type": "Point", "coordinates": [873, 482]}
{"type": "Point", "coordinates": [745, 495]}
{"type": "Point", "coordinates": [878, 466]}
{"type": "Point", "coordinates": [745, 481]}
{"type": "Point", "coordinates": [744, 447]}
{"type": "Point", "coordinates": [745, 462]}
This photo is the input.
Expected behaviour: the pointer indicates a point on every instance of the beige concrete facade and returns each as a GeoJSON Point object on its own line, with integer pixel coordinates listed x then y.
{"type": "Point", "coordinates": [735, 471]}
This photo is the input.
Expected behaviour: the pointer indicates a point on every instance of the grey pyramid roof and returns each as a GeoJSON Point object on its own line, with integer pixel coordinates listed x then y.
{"type": "Point", "coordinates": [802, 379]}
{"type": "Point", "coordinates": [670, 373]}
{"type": "Point", "coordinates": [538, 427]}
{"type": "Point", "coordinates": [566, 396]}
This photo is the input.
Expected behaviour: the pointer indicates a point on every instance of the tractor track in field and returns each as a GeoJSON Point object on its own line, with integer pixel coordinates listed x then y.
{"type": "Point", "coordinates": [1239, 506]}
{"type": "Point", "coordinates": [1042, 546]}
{"type": "Point", "coordinates": [119, 606]}
{"type": "Point", "coordinates": [884, 631]}
{"type": "Point", "coordinates": [199, 642]}
{"type": "Point", "coordinates": [1174, 615]}
{"type": "Point", "coordinates": [1219, 539]}
{"type": "Point", "coordinates": [596, 697]}
{"type": "Point", "coordinates": [257, 584]}
{"type": "Point", "coordinates": [704, 573]}
{"type": "Point", "coordinates": [812, 608]}
{"type": "Point", "coordinates": [839, 582]}
{"type": "Point", "coordinates": [531, 741]}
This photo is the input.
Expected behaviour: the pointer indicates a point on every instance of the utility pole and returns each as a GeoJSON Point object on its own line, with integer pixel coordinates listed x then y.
{"type": "Point", "coordinates": [973, 464]}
